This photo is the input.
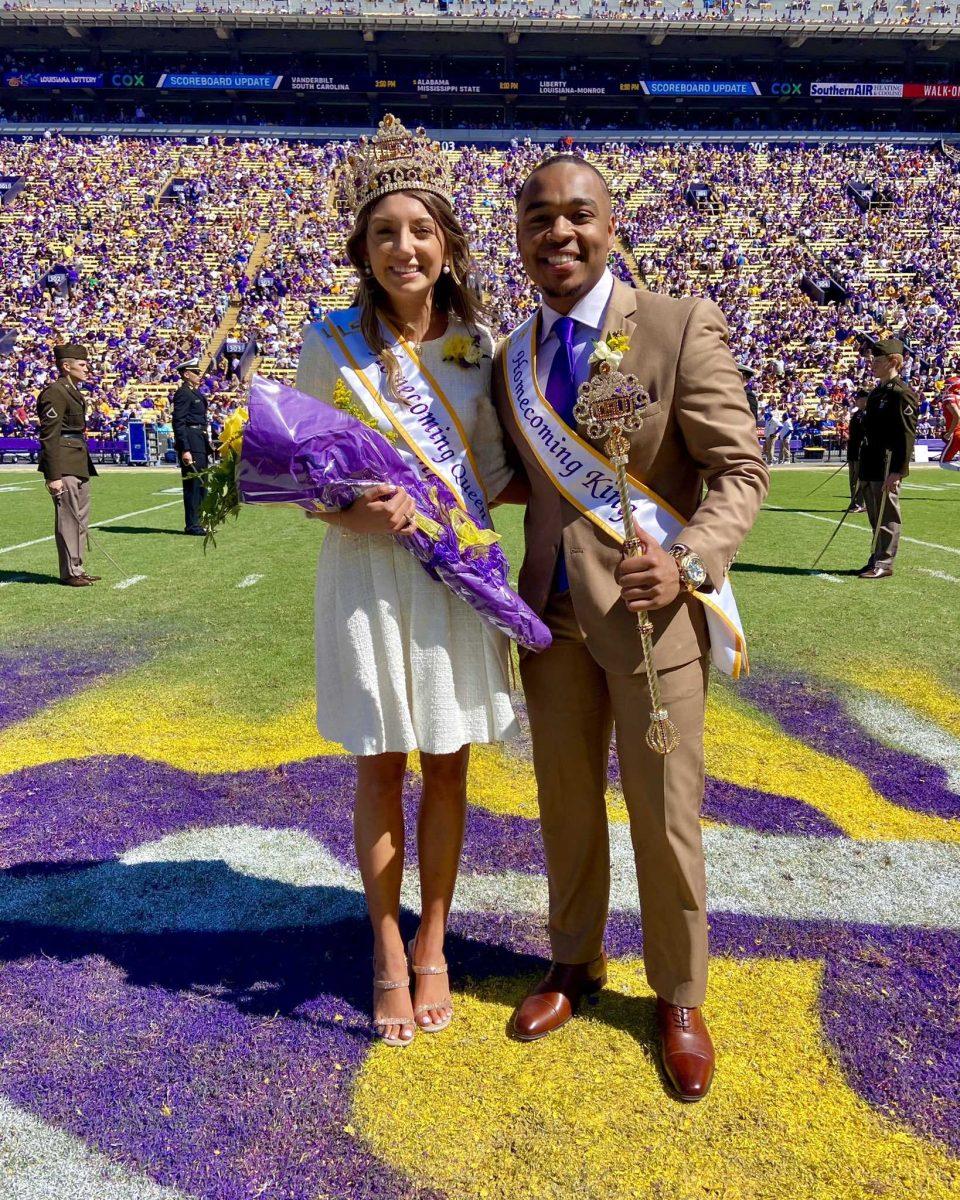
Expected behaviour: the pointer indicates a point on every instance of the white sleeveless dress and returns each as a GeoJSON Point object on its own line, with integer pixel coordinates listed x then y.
{"type": "Point", "coordinates": [402, 663]}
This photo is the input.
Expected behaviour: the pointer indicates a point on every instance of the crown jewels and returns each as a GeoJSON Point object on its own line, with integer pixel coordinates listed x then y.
{"type": "Point", "coordinates": [396, 160]}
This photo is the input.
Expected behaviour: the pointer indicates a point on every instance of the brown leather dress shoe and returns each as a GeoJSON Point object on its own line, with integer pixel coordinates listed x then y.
{"type": "Point", "coordinates": [557, 997]}
{"type": "Point", "coordinates": [685, 1050]}
{"type": "Point", "coordinates": [76, 581]}
{"type": "Point", "coordinates": [91, 578]}
{"type": "Point", "coordinates": [877, 573]}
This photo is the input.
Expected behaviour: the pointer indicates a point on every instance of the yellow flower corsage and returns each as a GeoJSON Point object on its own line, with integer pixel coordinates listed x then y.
{"type": "Point", "coordinates": [611, 350]}
{"type": "Point", "coordinates": [463, 349]}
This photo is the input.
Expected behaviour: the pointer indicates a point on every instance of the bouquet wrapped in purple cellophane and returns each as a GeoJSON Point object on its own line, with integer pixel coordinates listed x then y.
{"type": "Point", "coordinates": [297, 450]}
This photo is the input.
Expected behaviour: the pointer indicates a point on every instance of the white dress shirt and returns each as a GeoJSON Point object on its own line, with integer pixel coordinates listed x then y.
{"type": "Point", "coordinates": [589, 313]}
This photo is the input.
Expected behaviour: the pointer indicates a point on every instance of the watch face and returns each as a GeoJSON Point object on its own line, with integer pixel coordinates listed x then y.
{"type": "Point", "coordinates": [695, 571]}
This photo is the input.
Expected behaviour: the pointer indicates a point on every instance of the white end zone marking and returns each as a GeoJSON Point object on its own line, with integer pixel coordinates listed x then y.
{"type": "Point", "coordinates": [125, 583]}
{"type": "Point", "coordinates": [249, 581]}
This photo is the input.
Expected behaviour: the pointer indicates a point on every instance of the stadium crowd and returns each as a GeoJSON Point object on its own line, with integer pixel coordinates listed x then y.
{"type": "Point", "coordinates": [834, 12]}
{"type": "Point", "coordinates": [232, 263]}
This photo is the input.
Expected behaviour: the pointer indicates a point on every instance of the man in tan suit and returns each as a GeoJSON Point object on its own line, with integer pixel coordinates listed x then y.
{"type": "Point", "coordinates": [65, 460]}
{"type": "Point", "coordinates": [698, 450]}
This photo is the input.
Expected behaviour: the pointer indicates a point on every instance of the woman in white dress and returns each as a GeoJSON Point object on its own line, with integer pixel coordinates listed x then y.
{"type": "Point", "coordinates": [402, 664]}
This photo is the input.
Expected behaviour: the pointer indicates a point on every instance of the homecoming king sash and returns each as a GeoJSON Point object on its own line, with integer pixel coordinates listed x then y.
{"type": "Point", "coordinates": [585, 477]}
{"type": "Point", "coordinates": [433, 439]}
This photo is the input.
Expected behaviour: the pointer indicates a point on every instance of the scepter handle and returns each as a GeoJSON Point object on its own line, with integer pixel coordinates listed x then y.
{"type": "Point", "coordinates": [662, 735]}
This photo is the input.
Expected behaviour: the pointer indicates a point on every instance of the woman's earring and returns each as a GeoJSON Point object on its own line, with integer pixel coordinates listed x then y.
{"type": "Point", "coordinates": [367, 270]}
{"type": "Point", "coordinates": [446, 268]}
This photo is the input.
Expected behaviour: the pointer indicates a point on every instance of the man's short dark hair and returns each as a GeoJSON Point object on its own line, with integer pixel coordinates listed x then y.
{"type": "Point", "coordinates": [562, 158]}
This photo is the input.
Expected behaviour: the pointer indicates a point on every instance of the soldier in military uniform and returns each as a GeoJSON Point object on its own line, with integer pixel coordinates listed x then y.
{"type": "Point", "coordinates": [191, 441]}
{"type": "Point", "coordinates": [65, 460]}
{"type": "Point", "coordinates": [889, 430]}
{"type": "Point", "coordinates": [746, 374]}
{"type": "Point", "coordinates": [854, 442]}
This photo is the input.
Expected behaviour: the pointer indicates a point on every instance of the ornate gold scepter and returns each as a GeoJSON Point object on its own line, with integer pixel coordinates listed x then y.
{"type": "Point", "coordinates": [610, 406]}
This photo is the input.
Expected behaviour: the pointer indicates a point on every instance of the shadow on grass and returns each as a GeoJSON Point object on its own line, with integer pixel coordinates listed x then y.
{"type": "Point", "coordinates": [770, 569]}
{"type": "Point", "coordinates": [808, 508]}
{"type": "Point", "coordinates": [140, 529]}
{"type": "Point", "coordinates": [264, 946]}
{"type": "Point", "coordinates": [27, 577]}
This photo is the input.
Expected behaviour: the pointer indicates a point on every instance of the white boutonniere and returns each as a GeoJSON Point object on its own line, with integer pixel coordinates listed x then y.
{"type": "Point", "coordinates": [611, 350]}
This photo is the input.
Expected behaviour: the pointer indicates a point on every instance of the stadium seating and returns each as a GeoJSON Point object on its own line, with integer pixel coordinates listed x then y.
{"type": "Point", "coordinates": [253, 249]}
{"type": "Point", "coordinates": [828, 12]}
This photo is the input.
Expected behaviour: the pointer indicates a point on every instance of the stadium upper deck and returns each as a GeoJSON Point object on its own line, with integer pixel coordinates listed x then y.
{"type": "Point", "coordinates": [843, 15]}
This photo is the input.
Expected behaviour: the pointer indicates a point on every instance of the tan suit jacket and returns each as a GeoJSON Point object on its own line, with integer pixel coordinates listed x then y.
{"type": "Point", "coordinates": [697, 449]}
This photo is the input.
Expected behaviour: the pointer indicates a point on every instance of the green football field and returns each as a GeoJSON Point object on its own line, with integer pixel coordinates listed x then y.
{"type": "Point", "coordinates": [241, 614]}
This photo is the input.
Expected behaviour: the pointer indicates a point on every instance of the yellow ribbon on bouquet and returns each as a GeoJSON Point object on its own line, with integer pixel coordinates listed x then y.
{"type": "Point", "coordinates": [469, 535]}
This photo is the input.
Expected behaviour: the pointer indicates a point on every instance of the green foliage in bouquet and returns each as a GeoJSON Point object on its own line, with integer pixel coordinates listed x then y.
{"type": "Point", "coordinates": [222, 500]}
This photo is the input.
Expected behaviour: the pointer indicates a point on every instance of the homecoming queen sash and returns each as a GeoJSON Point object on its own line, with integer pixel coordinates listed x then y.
{"type": "Point", "coordinates": [585, 477]}
{"type": "Point", "coordinates": [434, 440]}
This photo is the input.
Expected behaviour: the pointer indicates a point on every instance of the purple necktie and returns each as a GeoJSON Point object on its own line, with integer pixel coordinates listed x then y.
{"type": "Point", "coordinates": [562, 380]}
{"type": "Point", "coordinates": [561, 396]}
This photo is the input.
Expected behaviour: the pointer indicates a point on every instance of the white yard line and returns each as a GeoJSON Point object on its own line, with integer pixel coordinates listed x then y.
{"type": "Point", "coordinates": [939, 575]}
{"type": "Point", "coordinates": [859, 528]}
{"type": "Point", "coordinates": [96, 525]}
{"type": "Point", "coordinates": [19, 487]}
{"type": "Point", "coordinates": [829, 578]}
{"type": "Point", "coordinates": [249, 581]}
{"type": "Point", "coordinates": [125, 583]}
{"type": "Point", "coordinates": [924, 487]}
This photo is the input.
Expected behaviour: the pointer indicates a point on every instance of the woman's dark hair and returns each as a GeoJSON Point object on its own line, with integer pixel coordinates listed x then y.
{"type": "Point", "coordinates": [451, 293]}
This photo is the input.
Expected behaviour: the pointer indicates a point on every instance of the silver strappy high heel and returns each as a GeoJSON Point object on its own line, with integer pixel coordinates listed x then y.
{"type": "Point", "coordinates": [445, 1005]}
{"type": "Point", "coordinates": [380, 1023]}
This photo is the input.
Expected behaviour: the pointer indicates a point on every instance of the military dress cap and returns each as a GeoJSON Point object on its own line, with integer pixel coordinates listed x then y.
{"type": "Point", "coordinates": [887, 346]}
{"type": "Point", "coordinates": [192, 365]}
{"type": "Point", "coordinates": [70, 350]}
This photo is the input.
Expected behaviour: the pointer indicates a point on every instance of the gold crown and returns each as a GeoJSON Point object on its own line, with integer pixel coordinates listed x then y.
{"type": "Point", "coordinates": [396, 160]}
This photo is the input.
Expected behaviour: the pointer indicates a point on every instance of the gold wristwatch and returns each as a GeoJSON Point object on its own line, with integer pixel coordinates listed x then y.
{"type": "Point", "coordinates": [693, 574]}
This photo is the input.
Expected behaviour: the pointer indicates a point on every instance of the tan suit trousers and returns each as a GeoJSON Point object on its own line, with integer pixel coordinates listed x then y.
{"type": "Point", "coordinates": [884, 507]}
{"type": "Point", "coordinates": [71, 517]}
{"type": "Point", "coordinates": [573, 705]}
